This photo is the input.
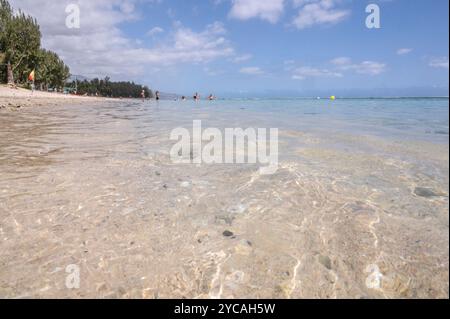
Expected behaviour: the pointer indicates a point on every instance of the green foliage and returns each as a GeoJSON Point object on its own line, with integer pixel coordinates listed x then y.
{"type": "Point", "coordinates": [51, 72]}
{"type": "Point", "coordinates": [5, 18]}
{"type": "Point", "coordinates": [20, 45]}
{"type": "Point", "coordinates": [106, 88]}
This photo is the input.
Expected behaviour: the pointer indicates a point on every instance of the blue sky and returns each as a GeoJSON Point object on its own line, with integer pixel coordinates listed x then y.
{"type": "Point", "coordinates": [250, 47]}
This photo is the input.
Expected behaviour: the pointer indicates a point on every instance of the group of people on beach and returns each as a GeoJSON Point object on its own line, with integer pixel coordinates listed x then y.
{"type": "Point", "coordinates": [157, 95]}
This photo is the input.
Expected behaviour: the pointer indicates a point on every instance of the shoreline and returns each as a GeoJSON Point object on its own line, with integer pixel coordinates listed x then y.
{"type": "Point", "coordinates": [16, 98]}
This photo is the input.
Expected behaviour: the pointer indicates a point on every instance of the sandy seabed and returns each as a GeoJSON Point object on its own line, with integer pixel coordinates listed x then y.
{"type": "Point", "coordinates": [91, 185]}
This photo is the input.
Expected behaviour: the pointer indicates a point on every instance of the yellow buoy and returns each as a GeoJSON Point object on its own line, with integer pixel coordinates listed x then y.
{"type": "Point", "coordinates": [332, 98]}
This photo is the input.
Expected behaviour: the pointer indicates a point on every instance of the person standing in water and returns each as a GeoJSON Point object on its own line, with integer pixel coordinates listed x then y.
{"type": "Point", "coordinates": [143, 95]}
{"type": "Point", "coordinates": [157, 95]}
{"type": "Point", "coordinates": [196, 97]}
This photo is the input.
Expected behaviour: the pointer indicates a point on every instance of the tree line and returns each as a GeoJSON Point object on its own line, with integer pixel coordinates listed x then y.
{"type": "Point", "coordinates": [21, 53]}
{"type": "Point", "coordinates": [104, 87]}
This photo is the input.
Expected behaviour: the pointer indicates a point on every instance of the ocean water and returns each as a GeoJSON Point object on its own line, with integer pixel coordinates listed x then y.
{"type": "Point", "coordinates": [358, 207]}
{"type": "Point", "coordinates": [403, 118]}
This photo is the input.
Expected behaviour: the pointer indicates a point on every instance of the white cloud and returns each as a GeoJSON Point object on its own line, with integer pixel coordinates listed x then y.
{"type": "Point", "coordinates": [340, 67]}
{"type": "Point", "coordinates": [96, 16]}
{"type": "Point", "coordinates": [365, 67]}
{"type": "Point", "coordinates": [318, 12]}
{"type": "Point", "coordinates": [303, 73]}
{"type": "Point", "coordinates": [251, 71]}
{"type": "Point", "coordinates": [370, 68]}
{"type": "Point", "coordinates": [242, 58]}
{"type": "Point", "coordinates": [341, 61]}
{"type": "Point", "coordinates": [269, 10]}
{"type": "Point", "coordinates": [154, 31]}
{"type": "Point", "coordinates": [289, 65]}
{"type": "Point", "coordinates": [439, 63]}
{"type": "Point", "coordinates": [212, 72]}
{"type": "Point", "coordinates": [404, 51]}
{"type": "Point", "coordinates": [100, 48]}
{"type": "Point", "coordinates": [212, 37]}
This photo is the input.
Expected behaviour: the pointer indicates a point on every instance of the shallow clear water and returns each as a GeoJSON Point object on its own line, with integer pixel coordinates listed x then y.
{"type": "Point", "coordinates": [94, 186]}
{"type": "Point", "coordinates": [415, 118]}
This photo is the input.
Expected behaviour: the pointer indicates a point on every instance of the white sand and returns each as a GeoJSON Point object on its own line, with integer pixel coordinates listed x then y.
{"type": "Point", "coordinates": [8, 92]}
{"type": "Point", "coordinates": [17, 97]}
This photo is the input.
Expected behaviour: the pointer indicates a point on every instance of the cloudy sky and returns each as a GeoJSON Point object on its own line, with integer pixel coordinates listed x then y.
{"type": "Point", "coordinates": [252, 45]}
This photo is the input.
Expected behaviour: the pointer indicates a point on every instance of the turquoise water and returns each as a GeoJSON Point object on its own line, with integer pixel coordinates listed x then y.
{"type": "Point", "coordinates": [422, 119]}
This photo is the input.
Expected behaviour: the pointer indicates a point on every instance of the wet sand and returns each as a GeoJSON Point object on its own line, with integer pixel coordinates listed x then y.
{"type": "Point", "coordinates": [93, 186]}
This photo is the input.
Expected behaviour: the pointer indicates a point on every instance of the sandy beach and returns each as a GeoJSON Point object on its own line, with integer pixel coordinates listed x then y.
{"type": "Point", "coordinates": [14, 98]}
